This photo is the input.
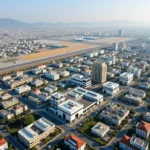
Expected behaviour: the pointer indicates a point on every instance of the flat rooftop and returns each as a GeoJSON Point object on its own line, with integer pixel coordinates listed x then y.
{"type": "Point", "coordinates": [111, 85]}
{"type": "Point", "coordinates": [35, 129]}
{"type": "Point", "coordinates": [58, 94]}
{"type": "Point", "coordinates": [85, 102]}
{"type": "Point", "coordinates": [70, 106]}
{"type": "Point", "coordinates": [133, 97]}
{"type": "Point", "coordinates": [126, 75]}
{"type": "Point", "coordinates": [100, 128]}
{"type": "Point", "coordinates": [139, 141]}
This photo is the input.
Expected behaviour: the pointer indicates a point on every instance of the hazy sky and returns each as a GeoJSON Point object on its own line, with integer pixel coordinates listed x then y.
{"type": "Point", "coordinates": [75, 10]}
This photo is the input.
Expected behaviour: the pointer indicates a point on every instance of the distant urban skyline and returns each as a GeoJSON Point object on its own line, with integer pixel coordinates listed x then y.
{"type": "Point", "coordinates": [75, 11]}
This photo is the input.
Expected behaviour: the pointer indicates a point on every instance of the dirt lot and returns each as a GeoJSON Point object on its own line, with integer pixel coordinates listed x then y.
{"type": "Point", "coordinates": [47, 53]}
{"type": "Point", "coordinates": [6, 60]}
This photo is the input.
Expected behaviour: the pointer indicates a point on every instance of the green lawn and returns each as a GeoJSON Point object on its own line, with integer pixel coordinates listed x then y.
{"type": "Point", "coordinates": [15, 125]}
{"type": "Point", "coordinates": [86, 130]}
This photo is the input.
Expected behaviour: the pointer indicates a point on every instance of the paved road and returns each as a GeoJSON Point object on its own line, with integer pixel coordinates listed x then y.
{"type": "Point", "coordinates": [11, 139]}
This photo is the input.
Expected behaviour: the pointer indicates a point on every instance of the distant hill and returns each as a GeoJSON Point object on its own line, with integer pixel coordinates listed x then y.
{"type": "Point", "coordinates": [11, 23]}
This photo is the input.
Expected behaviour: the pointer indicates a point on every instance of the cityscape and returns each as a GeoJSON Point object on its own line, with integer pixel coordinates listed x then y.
{"type": "Point", "coordinates": [72, 79]}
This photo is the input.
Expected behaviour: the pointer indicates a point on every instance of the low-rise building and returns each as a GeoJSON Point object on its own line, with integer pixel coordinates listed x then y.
{"type": "Point", "coordinates": [69, 60]}
{"type": "Point", "coordinates": [79, 93]}
{"type": "Point", "coordinates": [74, 69]}
{"type": "Point", "coordinates": [144, 85]}
{"type": "Point", "coordinates": [110, 88]}
{"type": "Point", "coordinates": [110, 75]}
{"type": "Point", "coordinates": [4, 95]}
{"type": "Point", "coordinates": [52, 75]}
{"type": "Point", "coordinates": [143, 129]}
{"type": "Point", "coordinates": [3, 144]}
{"type": "Point", "coordinates": [58, 65]}
{"type": "Point", "coordinates": [89, 54]}
{"type": "Point", "coordinates": [36, 71]}
{"type": "Point", "coordinates": [50, 89]}
{"type": "Point", "coordinates": [126, 78]}
{"type": "Point", "coordinates": [41, 67]}
{"type": "Point", "coordinates": [19, 73]}
{"type": "Point", "coordinates": [124, 64]}
{"type": "Point", "coordinates": [4, 78]}
{"type": "Point", "coordinates": [134, 70]}
{"type": "Point", "coordinates": [35, 100]}
{"type": "Point", "coordinates": [114, 116]}
{"type": "Point", "coordinates": [86, 72]}
{"type": "Point", "coordinates": [15, 82]}
{"type": "Point", "coordinates": [35, 132]}
{"type": "Point", "coordinates": [146, 116]}
{"type": "Point", "coordinates": [137, 92]}
{"type": "Point", "coordinates": [43, 96]}
{"type": "Point", "coordinates": [37, 82]}
{"type": "Point", "coordinates": [74, 142]}
{"type": "Point", "coordinates": [9, 103]}
{"type": "Point", "coordinates": [6, 114]}
{"type": "Point", "coordinates": [64, 73]}
{"type": "Point", "coordinates": [80, 80]}
{"type": "Point", "coordinates": [19, 109]}
{"type": "Point", "coordinates": [23, 89]}
{"type": "Point", "coordinates": [132, 143]}
{"type": "Point", "coordinates": [100, 129]}
{"type": "Point", "coordinates": [128, 98]}
{"type": "Point", "coordinates": [56, 99]}
{"type": "Point", "coordinates": [70, 110]}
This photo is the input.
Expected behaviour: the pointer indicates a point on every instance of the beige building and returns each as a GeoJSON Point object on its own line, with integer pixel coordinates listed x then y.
{"type": "Point", "coordinates": [35, 132]}
{"type": "Point", "coordinates": [99, 72]}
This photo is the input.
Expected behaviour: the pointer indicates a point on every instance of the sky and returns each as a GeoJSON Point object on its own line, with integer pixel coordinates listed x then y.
{"type": "Point", "coordinates": [75, 10]}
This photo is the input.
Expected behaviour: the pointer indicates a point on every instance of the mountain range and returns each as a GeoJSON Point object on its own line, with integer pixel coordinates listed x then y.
{"type": "Point", "coordinates": [11, 23]}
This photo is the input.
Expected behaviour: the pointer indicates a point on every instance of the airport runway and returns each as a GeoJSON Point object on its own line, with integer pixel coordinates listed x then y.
{"type": "Point", "coordinates": [14, 67]}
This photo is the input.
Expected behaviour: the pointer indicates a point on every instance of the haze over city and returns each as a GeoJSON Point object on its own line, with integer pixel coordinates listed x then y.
{"type": "Point", "coordinates": [74, 75]}
{"type": "Point", "coordinates": [75, 11]}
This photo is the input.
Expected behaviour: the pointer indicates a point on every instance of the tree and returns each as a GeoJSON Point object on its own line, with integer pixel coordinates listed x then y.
{"type": "Point", "coordinates": [29, 119]}
{"type": "Point", "coordinates": [1, 136]}
{"type": "Point", "coordinates": [10, 147]}
{"type": "Point", "coordinates": [33, 148]}
{"type": "Point", "coordinates": [3, 121]}
{"type": "Point", "coordinates": [132, 111]}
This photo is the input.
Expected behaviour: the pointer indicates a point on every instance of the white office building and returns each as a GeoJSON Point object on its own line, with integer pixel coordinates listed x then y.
{"type": "Point", "coordinates": [22, 89]}
{"type": "Point", "coordinates": [52, 75]}
{"type": "Point", "coordinates": [126, 78]}
{"type": "Point", "coordinates": [111, 88]}
{"type": "Point", "coordinates": [100, 129]}
{"type": "Point", "coordinates": [80, 80]}
{"type": "Point", "coordinates": [70, 110]}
